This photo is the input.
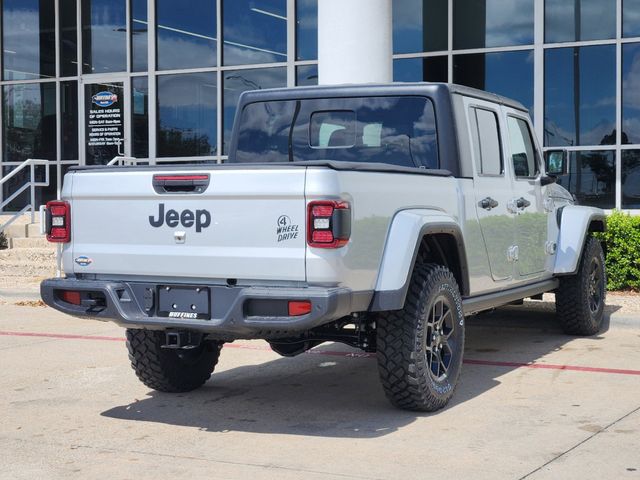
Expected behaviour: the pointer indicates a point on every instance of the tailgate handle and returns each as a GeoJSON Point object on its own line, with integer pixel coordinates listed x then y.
{"type": "Point", "coordinates": [181, 183]}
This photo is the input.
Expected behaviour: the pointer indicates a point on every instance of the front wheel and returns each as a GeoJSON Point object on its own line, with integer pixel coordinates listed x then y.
{"type": "Point", "coordinates": [420, 347]}
{"type": "Point", "coordinates": [170, 370]}
{"type": "Point", "coordinates": [580, 298]}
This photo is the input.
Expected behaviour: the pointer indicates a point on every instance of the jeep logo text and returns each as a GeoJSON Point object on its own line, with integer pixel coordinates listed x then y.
{"type": "Point", "coordinates": [201, 218]}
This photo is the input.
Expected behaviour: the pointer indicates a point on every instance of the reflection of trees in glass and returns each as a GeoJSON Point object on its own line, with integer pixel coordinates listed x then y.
{"type": "Point", "coordinates": [174, 142]}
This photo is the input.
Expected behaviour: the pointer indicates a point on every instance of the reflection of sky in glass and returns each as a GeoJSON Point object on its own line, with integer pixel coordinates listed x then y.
{"type": "Point", "coordinates": [592, 88]}
{"type": "Point", "coordinates": [419, 26]}
{"type": "Point", "coordinates": [429, 69]}
{"type": "Point", "coordinates": [631, 93]}
{"type": "Point", "coordinates": [307, 29]}
{"type": "Point", "coordinates": [631, 18]}
{"type": "Point", "coordinates": [238, 81]}
{"type": "Point", "coordinates": [29, 52]}
{"type": "Point", "coordinates": [139, 35]}
{"type": "Point", "coordinates": [104, 36]}
{"type": "Point", "coordinates": [254, 31]}
{"type": "Point", "coordinates": [68, 39]}
{"type": "Point", "coordinates": [597, 20]}
{"type": "Point", "coordinates": [506, 73]}
{"type": "Point", "coordinates": [186, 34]}
{"type": "Point", "coordinates": [492, 23]}
{"type": "Point", "coordinates": [306, 75]}
{"type": "Point", "coordinates": [187, 114]}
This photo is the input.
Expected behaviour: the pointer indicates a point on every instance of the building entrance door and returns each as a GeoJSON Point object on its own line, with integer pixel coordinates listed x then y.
{"type": "Point", "coordinates": [106, 124]}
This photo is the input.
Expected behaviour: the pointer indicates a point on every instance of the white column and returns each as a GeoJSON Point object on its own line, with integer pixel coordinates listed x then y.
{"type": "Point", "coordinates": [354, 41]}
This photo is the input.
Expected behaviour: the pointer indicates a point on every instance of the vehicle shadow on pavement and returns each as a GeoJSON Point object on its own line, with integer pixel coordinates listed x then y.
{"type": "Point", "coordinates": [339, 396]}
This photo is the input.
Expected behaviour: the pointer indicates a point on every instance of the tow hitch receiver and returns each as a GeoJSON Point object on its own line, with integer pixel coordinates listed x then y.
{"type": "Point", "coordinates": [184, 340]}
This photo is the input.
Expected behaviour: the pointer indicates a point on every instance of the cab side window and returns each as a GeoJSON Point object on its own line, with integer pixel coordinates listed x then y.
{"type": "Point", "coordinates": [523, 154]}
{"type": "Point", "coordinates": [486, 139]}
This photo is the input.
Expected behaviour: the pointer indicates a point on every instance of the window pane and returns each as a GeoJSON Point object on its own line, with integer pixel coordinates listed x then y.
{"type": "Point", "coordinates": [631, 18]}
{"type": "Point", "coordinates": [631, 179]}
{"type": "Point", "coordinates": [492, 23]}
{"type": "Point", "coordinates": [29, 127]}
{"type": "Point", "coordinates": [306, 75]}
{"type": "Point", "coordinates": [187, 115]}
{"type": "Point", "coordinates": [140, 116]}
{"type": "Point", "coordinates": [104, 36]}
{"type": "Point", "coordinates": [487, 143]}
{"type": "Point", "coordinates": [523, 155]}
{"type": "Point", "coordinates": [399, 131]}
{"type": "Point", "coordinates": [591, 178]}
{"type": "Point", "coordinates": [428, 69]}
{"type": "Point", "coordinates": [575, 20]}
{"type": "Point", "coordinates": [506, 73]}
{"type": "Point", "coordinates": [236, 82]}
{"type": "Point", "coordinates": [104, 116]}
{"type": "Point", "coordinates": [139, 30]}
{"type": "Point", "coordinates": [579, 96]}
{"type": "Point", "coordinates": [335, 129]}
{"type": "Point", "coordinates": [306, 29]}
{"type": "Point", "coordinates": [68, 38]}
{"type": "Point", "coordinates": [254, 31]}
{"type": "Point", "coordinates": [69, 111]}
{"type": "Point", "coordinates": [420, 26]}
{"type": "Point", "coordinates": [28, 28]}
{"type": "Point", "coordinates": [187, 36]}
{"type": "Point", "coordinates": [631, 93]}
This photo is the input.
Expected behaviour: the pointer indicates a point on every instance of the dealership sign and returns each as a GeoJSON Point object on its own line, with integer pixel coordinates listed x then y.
{"type": "Point", "coordinates": [104, 99]}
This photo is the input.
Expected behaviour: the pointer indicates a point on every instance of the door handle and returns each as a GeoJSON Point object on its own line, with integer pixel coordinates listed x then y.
{"type": "Point", "coordinates": [522, 203]}
{"type": "Point", "coordinates": [488, 203]}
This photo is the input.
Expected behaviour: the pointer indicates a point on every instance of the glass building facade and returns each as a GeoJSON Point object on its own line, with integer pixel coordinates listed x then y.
{"type": "Point", "coordinates": [85, 80]}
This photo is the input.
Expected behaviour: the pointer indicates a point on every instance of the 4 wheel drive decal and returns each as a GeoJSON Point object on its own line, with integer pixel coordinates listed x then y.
{"type": "Point", "coordinates": [187, 218]}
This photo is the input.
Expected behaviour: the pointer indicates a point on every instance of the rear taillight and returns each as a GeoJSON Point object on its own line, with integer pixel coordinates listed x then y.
{"type": "Point", "coordinates": [58, 218]}
{"type": "Point", "coordinates": [328, 224]}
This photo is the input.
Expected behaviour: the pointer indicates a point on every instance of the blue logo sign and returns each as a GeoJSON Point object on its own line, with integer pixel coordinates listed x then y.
{"type": "Point", "coordinates": [104, 99]}
{"type": "Point", "coordinates": [83, 261]}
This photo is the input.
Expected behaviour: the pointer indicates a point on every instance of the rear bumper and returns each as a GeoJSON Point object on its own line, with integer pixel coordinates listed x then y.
{"type": "Point", "coordinates": [128, 305]}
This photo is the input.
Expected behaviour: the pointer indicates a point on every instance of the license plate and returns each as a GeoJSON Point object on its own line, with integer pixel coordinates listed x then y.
{"type": "Point", "coordinates": [184, 302]}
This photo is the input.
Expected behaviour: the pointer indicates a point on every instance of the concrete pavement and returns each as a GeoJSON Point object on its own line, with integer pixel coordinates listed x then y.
{"type": "Point", "coordinates": [532, 403]}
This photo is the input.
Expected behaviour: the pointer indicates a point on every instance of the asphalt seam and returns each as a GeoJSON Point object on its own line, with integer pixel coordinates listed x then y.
{"type": "Point", "coordinates": [582, 442]}
{"type": "Point", "coordinates": [203, 459]}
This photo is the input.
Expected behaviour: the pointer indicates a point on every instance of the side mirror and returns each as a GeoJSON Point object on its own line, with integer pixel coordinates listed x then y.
{"type": "Point", "coordinates": [555, 162]}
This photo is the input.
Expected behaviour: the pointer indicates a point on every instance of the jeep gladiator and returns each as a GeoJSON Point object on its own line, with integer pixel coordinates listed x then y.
{"type": "Point", "coordinates": [377, 216]}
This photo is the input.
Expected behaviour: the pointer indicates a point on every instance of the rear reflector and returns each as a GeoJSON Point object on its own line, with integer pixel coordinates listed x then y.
{"type": "Point", "coordinates": [328, 224]}
{"type": "Point", "coordinates": [58, 219]}
{"type": "Point", "coordinates": [297, 308]}
{"type": "Point", "coordinates": [70, 296]}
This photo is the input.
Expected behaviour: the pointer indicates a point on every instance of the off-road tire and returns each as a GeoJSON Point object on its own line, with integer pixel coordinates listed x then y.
{"type": "Point", "coordinates": [403, 337]}
{"type": "Point", "coordinates": [574, 296]}
{"type": "Point", "coordinates": [170, 370]}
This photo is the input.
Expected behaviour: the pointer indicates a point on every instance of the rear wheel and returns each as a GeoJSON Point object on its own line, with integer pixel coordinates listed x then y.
{"type": "Point", "coordinates": [170, 370]}
{"type": "Point", "coordinates": [580, 298]}
{"type": "Point", "coordinates": [420, 347]}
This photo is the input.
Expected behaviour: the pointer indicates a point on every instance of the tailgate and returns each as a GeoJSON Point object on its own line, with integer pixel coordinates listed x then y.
{"type": "Point", "coordinates": [246, 224]}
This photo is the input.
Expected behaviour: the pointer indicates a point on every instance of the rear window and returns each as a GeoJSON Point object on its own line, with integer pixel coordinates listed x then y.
{"type": "Point", "coordinates": [394, 130]}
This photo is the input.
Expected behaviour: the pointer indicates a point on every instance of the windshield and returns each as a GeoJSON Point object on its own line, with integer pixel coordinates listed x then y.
{"type": "Point", "coordinates": [393, 130]}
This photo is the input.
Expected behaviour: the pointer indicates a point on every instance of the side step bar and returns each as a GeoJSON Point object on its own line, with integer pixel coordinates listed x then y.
{"type": "Point", "coordinates": [488, 301]}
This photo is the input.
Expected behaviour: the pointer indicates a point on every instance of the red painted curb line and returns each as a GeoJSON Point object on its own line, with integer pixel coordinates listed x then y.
{"type": "Point", "coordinates": [468, 361]}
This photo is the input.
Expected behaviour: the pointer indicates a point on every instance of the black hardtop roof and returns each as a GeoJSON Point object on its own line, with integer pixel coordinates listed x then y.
{"type": "Point", "coordinates": [333, 91]}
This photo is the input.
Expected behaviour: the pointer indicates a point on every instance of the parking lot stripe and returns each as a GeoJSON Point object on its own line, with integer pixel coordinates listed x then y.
{"type": "Point", "coordinates": [468, 361]}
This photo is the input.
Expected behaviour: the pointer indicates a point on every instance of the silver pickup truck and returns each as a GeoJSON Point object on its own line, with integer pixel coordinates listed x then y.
{"type": "Point", "coordinates": [376, 216]}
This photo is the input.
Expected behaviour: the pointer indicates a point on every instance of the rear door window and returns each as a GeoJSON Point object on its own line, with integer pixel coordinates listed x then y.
{"type": "Point", "coordinates": [394, 130]}
{"type": "Point", "coordinates": [523, 154]}
{"type": "Point", "coordinates": [486, 139]}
